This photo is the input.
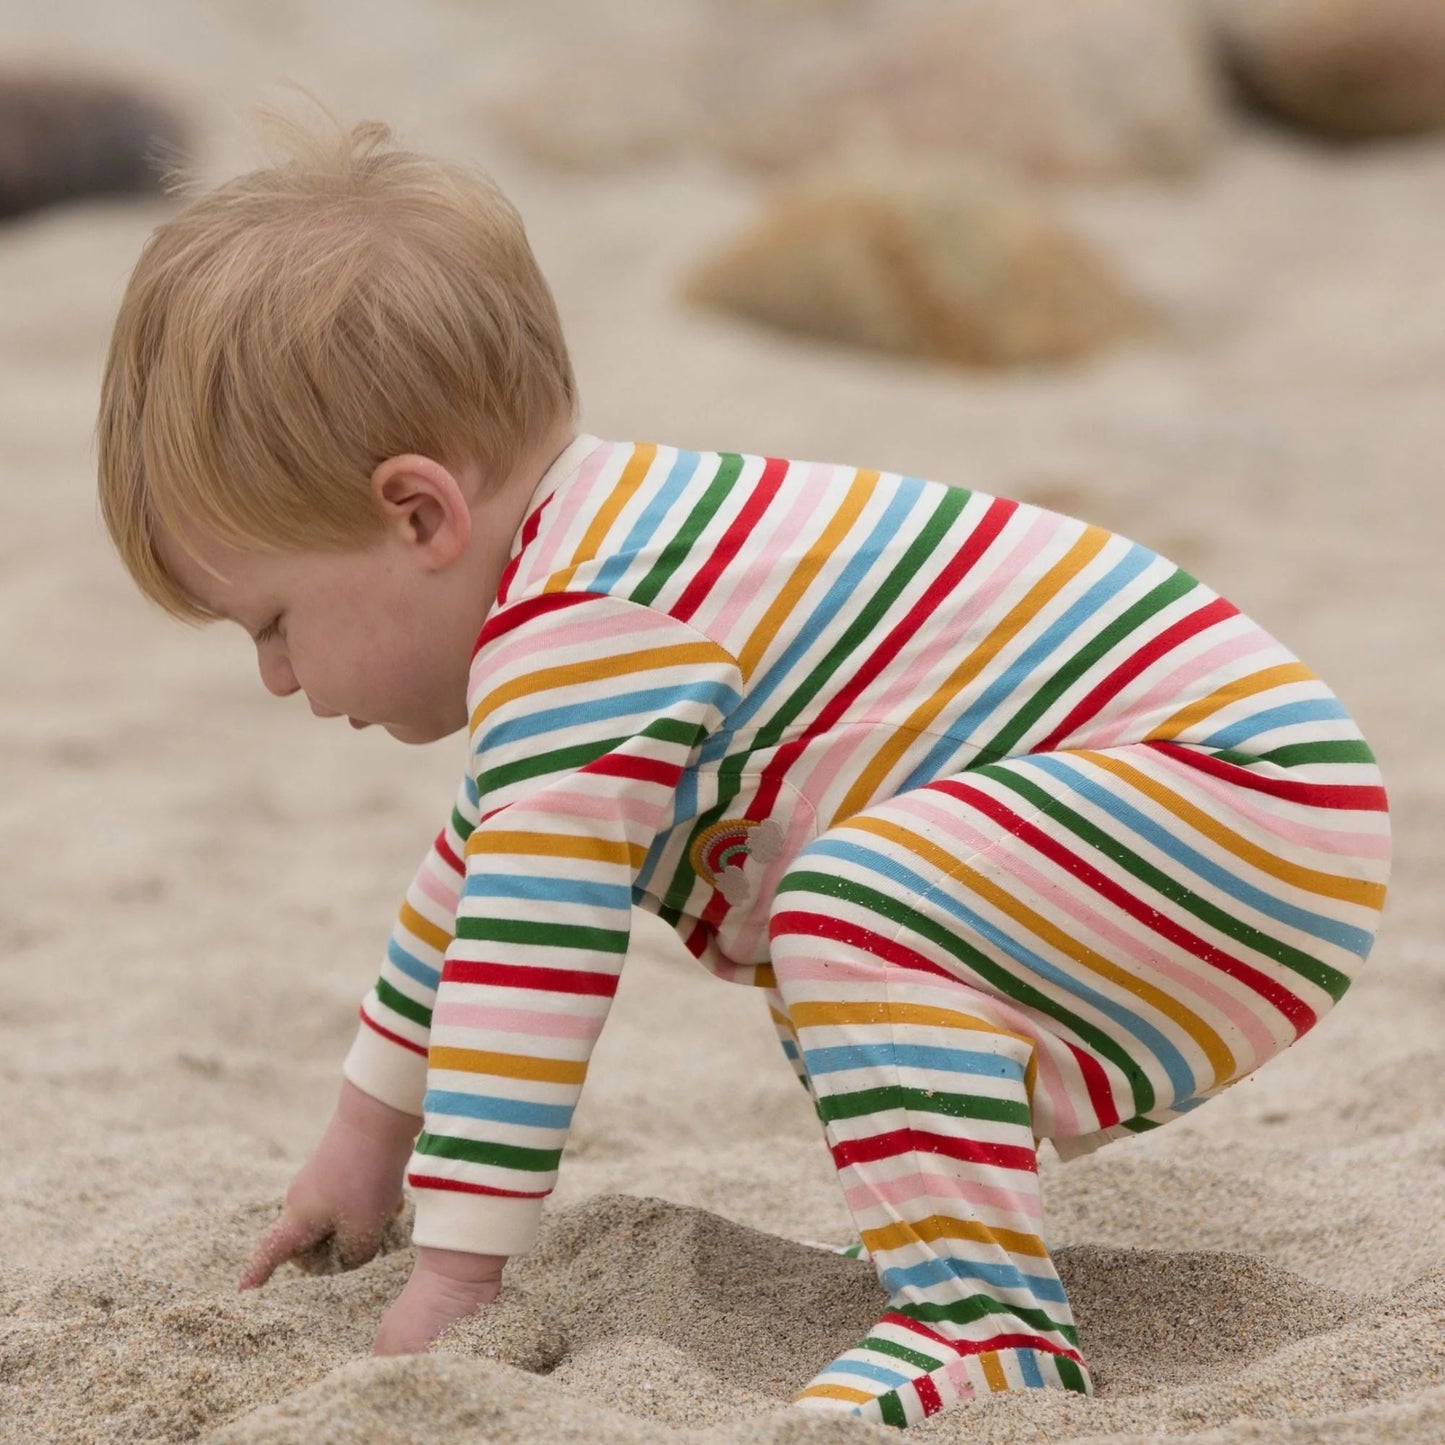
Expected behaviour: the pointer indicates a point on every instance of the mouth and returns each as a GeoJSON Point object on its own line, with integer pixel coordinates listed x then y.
{"type": "Point", "coordinates": [357, 723]}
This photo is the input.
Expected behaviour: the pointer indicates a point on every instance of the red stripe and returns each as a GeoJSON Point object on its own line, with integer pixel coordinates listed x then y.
{"type": "Point", "coordinates": [1096, 1083]}
{"type": "Point", "coordinates": [432, 1181]}
{"type": "Point", "coordinates": [1217, 611]}
{"type": "Point", "coordinates": [979, 540]}
{"type": "Point", "coordinates": [394, 1038]}
{"type": "Point", "coordinates": [530, 528]}
{"type": "Point", "coordinates": [642, 770]}
{"type": "Point", "coordinates": [928, 1395]}
{"type": "Point", "coordinates": [448, 854]}
{"type": "Point", "coordinates": [1292, 1007]}
{"type": "Point", "coordinates": [824, 925]}
{"type": "Point", "coordinates": [1348, 796]}
{"type": "Point", "coordinates": [979, 1347]}
{"type": "Point", "coordinates": [738, 532]}
{"type": "Point", "coordinates": [508, 619]}
{"type": "Point", "coordinates": [918, 1141]}
{"type": "Point", "coordinates": [547, 980]}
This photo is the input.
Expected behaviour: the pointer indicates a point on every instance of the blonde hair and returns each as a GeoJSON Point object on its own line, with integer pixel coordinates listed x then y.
{"type": "Point", "coordinates": [288, 331]}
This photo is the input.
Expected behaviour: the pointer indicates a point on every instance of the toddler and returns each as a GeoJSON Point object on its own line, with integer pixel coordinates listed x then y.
{"type": "Point", "coordinates": [1022, 832]}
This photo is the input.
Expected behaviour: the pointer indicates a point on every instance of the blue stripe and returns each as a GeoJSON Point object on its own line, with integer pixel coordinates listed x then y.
{"type": "Point", "coordinates": [866, 1370]}
{"type": "Point", "coordinates": [841, 1058]}
{"type": "Point", "coordinates": [1170, 1059]}
{"type": "Point", "coordinates": [1317, 925]}
{"type": "Point", "coordinates": [645, 528]}
{"type": "Point", "coordinates": [825, 613]}
{"type": "Point", "coordinates": [646, 704]}
{"type": "Point", "coordinates": [1023, 674]}
{"type": "Point", "coordinates": [947, 1270]}
{"type": "Point", "coordinates": [1315, 709]}
{"type": "Point", "coordinates": [414, 969]}
{"type": "Point", "coordinates": [1029, 1368]}
{"type": "Point", "coordinates": [538, 888]}
{"type": "Point", "coordinates": [499, 1111]}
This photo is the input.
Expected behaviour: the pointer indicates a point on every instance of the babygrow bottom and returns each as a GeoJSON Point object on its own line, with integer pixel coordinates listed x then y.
{"type": "Point", "coordinates": [1070, 946]}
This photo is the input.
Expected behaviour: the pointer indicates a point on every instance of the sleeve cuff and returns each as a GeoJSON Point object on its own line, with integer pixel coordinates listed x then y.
{"type": "Point", "coordinates": [475, 1223]}
{"type": "Point", "coordinates": [387, 1071]}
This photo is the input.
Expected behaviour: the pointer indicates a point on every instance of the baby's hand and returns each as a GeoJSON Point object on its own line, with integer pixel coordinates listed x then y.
{"type": "Point", "coordinates": [346, 1192]}
{"type": "Point", "coordinates": [446, 1285]}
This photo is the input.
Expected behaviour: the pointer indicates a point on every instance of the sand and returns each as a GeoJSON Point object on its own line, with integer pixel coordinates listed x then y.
{"type": "Point", "coordinates": [199, 880]}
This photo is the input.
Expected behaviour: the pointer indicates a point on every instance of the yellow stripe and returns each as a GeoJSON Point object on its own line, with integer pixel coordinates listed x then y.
{"type": "Point", "coordinates": [870, 781]}
{"type": "Point", "coordinates": [1311, 880]}
{"type": "Point", "coordinates": [423, 928]}
{"type": "Point", "coordinates": [607, 514]}
{"type": "Point", "coordinates": [945, 1226]}
{"type": "Point", "coordinates": [824, 550]}
{"type": "Point", "coordinates": [507, 1066]}
{"type": "Point", "coordinates": [834, 1392]}
{"type": "Point", "coordinates": [825, 1015]}
{"type": "Point", "coordinates": [1210, 1044]}
{"type": "Point", "coordinates": [556, 845]}
{"type": "Point", "coordinates": [598, 670]}
{"type": "Point", "coordinates": [1242, 687]}
{"type": "Point", "coordinates": [993, 1371]}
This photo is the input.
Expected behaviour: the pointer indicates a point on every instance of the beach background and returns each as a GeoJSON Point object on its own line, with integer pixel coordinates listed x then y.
{"type": "Point", "coordinates": [198, 880]}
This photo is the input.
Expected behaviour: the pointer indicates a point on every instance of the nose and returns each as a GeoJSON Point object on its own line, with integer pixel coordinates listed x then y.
{"type": "Point", "coordinates": [276, 675]}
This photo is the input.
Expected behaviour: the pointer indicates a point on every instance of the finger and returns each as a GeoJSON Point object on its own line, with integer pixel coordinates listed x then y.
{"type": "Point", "coordinates": [355, 1244]}
{"type": "Point", "coordinates": [288, 1237]}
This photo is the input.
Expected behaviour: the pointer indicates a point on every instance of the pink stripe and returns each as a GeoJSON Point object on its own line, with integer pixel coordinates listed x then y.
{"type": "Point", "coordinates": [1099, 922]}
{"type": "Point", "coordinates": [1331, 842]}
{"type": "Point", "coordinates": [781, 537]}
{"type": "Point", "coordinates": [430, 886]}
{"type": "Point", "coordinates": [840, 756]}
{"type": "Point", "coordinates": [607, 806]}
{"type": "Point", "coordinates": [1193, 678]}
{"type": "Point", "coordinates": [933, 1187]}
{"type": "Point", "coordinates": [587, 634]}
{"type": "Point", "coordinates": [555, 530]}
{"type": "Point", "coordinates": [532, 1023]}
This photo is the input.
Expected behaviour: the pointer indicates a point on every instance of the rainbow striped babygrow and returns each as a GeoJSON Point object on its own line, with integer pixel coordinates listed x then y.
{"type": "Point", "coordinates": [1026, 833]}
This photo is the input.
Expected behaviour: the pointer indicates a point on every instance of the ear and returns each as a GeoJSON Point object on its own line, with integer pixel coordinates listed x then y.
{"type": "Point", "coordinates": [424, 507]}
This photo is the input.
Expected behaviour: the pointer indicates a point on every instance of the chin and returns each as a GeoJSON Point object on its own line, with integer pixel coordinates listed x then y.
{"type": "Point", "coordinates": [419, 734]}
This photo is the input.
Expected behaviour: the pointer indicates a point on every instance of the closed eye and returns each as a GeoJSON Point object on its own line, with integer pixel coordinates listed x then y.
{"type": "Point", "coordinates": [270, 630]}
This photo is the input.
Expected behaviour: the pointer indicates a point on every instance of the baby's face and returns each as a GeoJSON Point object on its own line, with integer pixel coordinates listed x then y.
{"type": "Point", "coordinates": [363, 634]}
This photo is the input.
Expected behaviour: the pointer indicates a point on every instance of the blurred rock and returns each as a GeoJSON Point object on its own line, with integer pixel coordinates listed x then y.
{"type": "Point", "coordinates": [67, 136]}
{"type": "Point", "coordinates": [1055, 87]}
{"type": "Point", "coordinates": [955, 263]}
{"type": "Point", "coordinates": [1350, 69]}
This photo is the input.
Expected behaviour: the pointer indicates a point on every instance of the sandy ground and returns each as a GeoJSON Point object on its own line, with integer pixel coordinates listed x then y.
{"type": "Point", "coordinates": [199, 880]}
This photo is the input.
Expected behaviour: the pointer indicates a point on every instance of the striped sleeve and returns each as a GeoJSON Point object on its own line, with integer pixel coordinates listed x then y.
{"type": "Point", "coordinates": [388, 1056]}
{"type": "Point", "coordinates": [586, 710]}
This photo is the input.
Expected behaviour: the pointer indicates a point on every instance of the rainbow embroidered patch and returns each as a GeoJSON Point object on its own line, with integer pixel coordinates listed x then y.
{"type": "Point", "coordinates": [720, 852]}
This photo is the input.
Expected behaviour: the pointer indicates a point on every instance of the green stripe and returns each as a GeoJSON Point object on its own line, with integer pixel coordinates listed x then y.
{"type": "Point", "coordinates": [474, 1151]}
{"type": "Point", "coordinates": [536, 765]}
{"type": "Point", "coordinates": [1167, 592]}
{"type": "Point", "coordinates": [997, 976]}
{"type": "Point", "coordinates": [399, 1003]}
{"type": "Point", "coordinates": [900, 1352]}
{"type": "Point", "coordinates": [880, 596]}
{"type": "Point", "coordinates": [1344, 750]}
{"type": "Point", "coordinates": [978, 1306]}
{"type": "Point", "coordinates": [542, 935]}
{"type": "Point", "coordinates": [925, 1101]}
{"type": "Point", "coordinates": [890, 1410]}
{"type": "Point", "coordinates": [460, 824]}
{"type": "Point", "coordinates": [1331, 980]}
{"type": "Point", "coordinates": [1070, 1375]}
{"type": "Point", "coordinates": [675, 553]}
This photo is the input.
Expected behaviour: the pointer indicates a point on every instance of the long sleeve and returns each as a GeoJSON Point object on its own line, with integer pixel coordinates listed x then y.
{"type": "Point", "coordinates": [388, 1056]}
{"type": "Point", "coordinates": [587, 710]}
